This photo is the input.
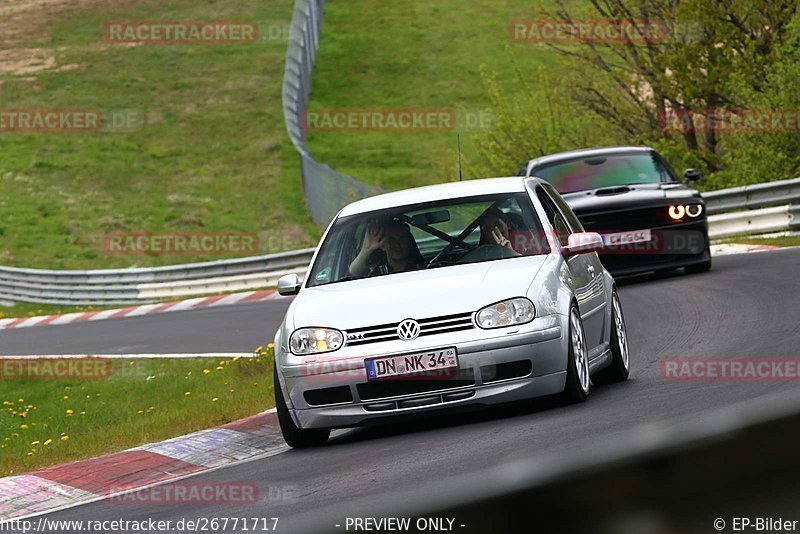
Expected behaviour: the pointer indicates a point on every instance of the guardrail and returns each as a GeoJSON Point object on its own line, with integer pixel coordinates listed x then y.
{"type": "Point", "coordinates": [143, 285]}
{"type": "Point", "coordinates": [754, 196]}
{"type": "Point", "coordinates": [754, 222]}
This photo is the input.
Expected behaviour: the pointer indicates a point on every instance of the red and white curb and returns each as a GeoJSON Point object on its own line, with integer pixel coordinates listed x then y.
{"type": "Point", "coordinates": [63, 486]}
{"type": "Point", "coordinates": [136, 311]}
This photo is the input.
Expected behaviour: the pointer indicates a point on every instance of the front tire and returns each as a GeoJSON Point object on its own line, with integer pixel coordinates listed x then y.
{"type": "Point", "coordinates": [576, 388]}
{"type": "Point", "coordinates": [619, 370]}
{"type": "Point", "coordinates": [295, 436]}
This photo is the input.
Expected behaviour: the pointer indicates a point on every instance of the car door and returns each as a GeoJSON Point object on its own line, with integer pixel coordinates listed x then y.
{"type": "Point", "coordinates": [586, 269]}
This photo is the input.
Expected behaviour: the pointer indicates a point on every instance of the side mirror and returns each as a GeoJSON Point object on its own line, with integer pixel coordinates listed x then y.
{"type": "Point", "coordinates": [691, 175]}
{"type": "Point", "coordinates": [289, 285]}
{"type": "Point", "coordinates": [583, 243]}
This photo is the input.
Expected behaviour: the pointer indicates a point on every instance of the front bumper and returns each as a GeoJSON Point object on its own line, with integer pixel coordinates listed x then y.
{"type": "Point", "coordinates": [516, 363]}
{"type": "Point", "coordinates": [678, 245]}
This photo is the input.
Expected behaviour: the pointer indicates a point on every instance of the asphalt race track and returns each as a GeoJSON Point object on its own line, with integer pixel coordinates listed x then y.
{"type": "Point", "coordinates": [747, 306]}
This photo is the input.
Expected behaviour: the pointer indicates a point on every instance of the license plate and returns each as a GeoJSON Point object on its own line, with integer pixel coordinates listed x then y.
{"type": "Point", "coordinates": [627, 238]}
{"type": "Point", "coordinates": [437, 363]}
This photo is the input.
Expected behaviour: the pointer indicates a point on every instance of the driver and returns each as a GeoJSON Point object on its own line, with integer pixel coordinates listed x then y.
{"type": "Point", "coordinates": [400, 252]}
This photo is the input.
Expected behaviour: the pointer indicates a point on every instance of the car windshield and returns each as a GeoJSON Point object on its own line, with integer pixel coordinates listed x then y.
{"type": "Point", "coordinates": [604, 171]}
{"type": "Point", "coordinates": [429, 236]}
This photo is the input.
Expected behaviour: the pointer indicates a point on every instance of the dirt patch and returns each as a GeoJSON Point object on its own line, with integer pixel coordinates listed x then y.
{"type": "Point", "coordinates": [22, 61]}
{"type": "Point", "coordinates": [26, 21]}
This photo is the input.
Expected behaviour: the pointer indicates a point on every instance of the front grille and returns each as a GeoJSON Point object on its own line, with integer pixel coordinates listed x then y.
{"type": "Point", "coordinates": [427, 327]}
{"type": "Point", "coordinates": [382, 389]}
{"type": "Point", "coordinates": [633, 219]}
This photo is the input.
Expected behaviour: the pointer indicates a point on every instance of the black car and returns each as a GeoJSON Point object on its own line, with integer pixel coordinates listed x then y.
{"type": "Point", "coordinates": [649, 220]}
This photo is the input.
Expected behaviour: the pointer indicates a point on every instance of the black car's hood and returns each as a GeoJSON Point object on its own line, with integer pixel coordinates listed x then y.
{"type": "Point", "coordinates": [630, 196]}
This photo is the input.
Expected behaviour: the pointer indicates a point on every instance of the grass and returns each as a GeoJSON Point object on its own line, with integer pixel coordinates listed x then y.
{"type": "Point", "coordinates": [209, 156]}
{"type": "Point", "coordinates": [212, 154]}
{"type": "Point", "coordinates": [417, 55]}
{"type": "Point", "coordinates": [49, 422]}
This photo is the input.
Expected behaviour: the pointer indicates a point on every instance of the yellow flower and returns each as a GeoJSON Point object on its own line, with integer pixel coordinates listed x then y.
{"type": "Point", "coordinates": [187, 393]}
{"type": "Point", "coordinates": [215, 399]}
{"type": "Point", "coordinates": [69, 412]}
{"type": "Point", "coordinates": [64, 438]}
{"type": "Point", "coordinates": [220, 368]}
{"type": "Point", "coordinates": [20, 400]}
{"type": "Point", "coordinates": [34, 443]}
{"type": "Point", "coordinates": [66, 397]}
{"type": "Point", "coordinates": [236, 358]}
{"type": "Point", "coordinates": [83, 413]}
{"type": "Point", "coordinates": [24, 427]}
{"type": "Point", "coordinates": [140, 411]}
{"type": "Point", "coordinates": [259, 348]}
{"type": "Point", "coordinates": [206, 371]}
{"type": "Point", "coordinates": [48, 442]}
{"type": "Point", "coordinates": [271, 346]}
{"type": "Point", "coordinates": [30, 454]}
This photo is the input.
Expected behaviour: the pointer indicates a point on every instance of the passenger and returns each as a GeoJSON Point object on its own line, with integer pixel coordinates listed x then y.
{"type": "Point", "coordinates": [399, 250]}
{"type": "Point", "coordinates": [496, 229]}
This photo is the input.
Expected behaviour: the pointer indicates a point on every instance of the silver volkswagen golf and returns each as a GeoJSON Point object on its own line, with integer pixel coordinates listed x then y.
{"type": "Point", "coordinates": [469, 293]}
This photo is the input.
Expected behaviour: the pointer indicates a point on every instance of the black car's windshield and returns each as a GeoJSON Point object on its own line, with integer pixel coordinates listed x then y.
{"type": "Point", "coordinates": [427, 236]}
{"type": "Point", "coordinates": [603, 171]}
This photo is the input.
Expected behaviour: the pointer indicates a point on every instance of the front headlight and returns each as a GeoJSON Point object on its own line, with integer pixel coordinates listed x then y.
{"type": "Point", "coordinates": [678, 211]}
{"type": "Point", "coordinates": [315, 341]}
{"type": "Point", "coordinates": [506, 313]}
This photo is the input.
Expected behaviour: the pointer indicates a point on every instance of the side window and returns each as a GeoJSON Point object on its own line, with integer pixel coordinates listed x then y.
{"type": "Point", "coordinates": [572, 219]}
{"type": "Point", "coordinates": [555, 217]}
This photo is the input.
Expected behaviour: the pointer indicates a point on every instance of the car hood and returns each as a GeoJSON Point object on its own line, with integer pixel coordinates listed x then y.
{"type": "Point", "coordinates": [638, 196]}
{"type": "Point", "coordinates": [418, 294]}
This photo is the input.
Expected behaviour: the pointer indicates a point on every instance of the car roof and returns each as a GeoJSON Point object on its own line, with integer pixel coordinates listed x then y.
{"type": "Point", "coordinates": [587, 153]}
{"type": "Point", "coordinates": [432, 193]}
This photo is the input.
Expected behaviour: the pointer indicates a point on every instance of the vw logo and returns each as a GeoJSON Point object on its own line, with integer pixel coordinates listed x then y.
{"type": "Point", "coordinates": [408, 330]}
